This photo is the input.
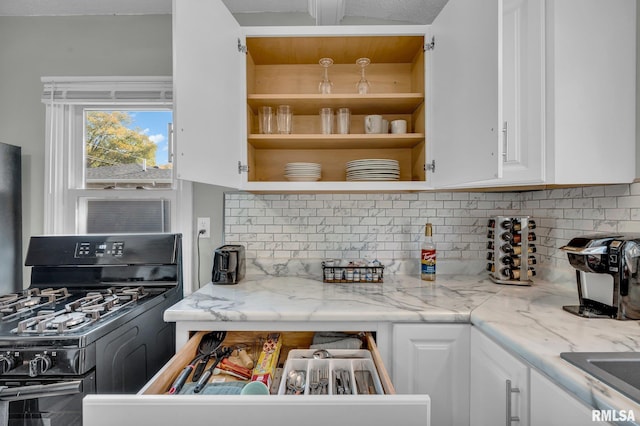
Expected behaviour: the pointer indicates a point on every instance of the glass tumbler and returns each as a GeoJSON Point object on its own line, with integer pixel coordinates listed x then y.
{"type": "Point", "coordinates": [265, 123]}
{"type": "Point", "coordinates": [343, 121]}
{"type": "Point", "coordinates": [326, 120]}
{"type": "Point", "coordinates": [284, 119]}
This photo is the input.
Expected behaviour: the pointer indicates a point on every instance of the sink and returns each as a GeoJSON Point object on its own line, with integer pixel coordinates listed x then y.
{"type": "Point", "coordinates": [620, 370]}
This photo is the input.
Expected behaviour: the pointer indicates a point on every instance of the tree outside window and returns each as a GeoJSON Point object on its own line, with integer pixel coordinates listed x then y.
{"type": "Point", "coordinates": [127, 149]}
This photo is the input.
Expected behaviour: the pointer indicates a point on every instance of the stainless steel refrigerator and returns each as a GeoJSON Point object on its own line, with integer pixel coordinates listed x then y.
{"type": "Point", "coordinates": [10, 219]}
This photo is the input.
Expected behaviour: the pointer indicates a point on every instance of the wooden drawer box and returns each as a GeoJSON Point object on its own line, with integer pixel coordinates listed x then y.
{"type": "Point", "coordinates": [152, 405]}
{"type": "Point", "coordinates": [290, 340]}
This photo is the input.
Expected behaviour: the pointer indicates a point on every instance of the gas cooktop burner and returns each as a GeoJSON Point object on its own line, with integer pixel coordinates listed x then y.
{"type": "Point", "coordinates": [82, 312]}
{"type": "Point", "coordinates": [17, 304]}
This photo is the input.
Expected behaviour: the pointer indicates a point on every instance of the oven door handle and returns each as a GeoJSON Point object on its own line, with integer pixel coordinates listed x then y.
{"type": "Point", "coordinates": [20, 393]}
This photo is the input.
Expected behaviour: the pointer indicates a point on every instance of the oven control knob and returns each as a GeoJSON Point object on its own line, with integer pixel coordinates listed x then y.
{"type": "Point", "coordinates": [39, 364]}
{"type": "Point", "coordinates": [7, 362]}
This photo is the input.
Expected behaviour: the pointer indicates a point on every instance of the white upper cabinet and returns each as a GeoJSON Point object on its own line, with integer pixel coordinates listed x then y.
{"type": "Point", "coordinates": [464, 81]}
{"type": "Point", "coordinates": [591, 91]}
{"type": "Point", "coordinates": [208, 73]}
{"type": "Point", "coordinates": [568, 90]}
{"type": "Point", "coordinates": [511, 93]}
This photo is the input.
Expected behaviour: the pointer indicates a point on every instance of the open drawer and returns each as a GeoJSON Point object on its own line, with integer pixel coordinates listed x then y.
{"type": "Point", "coordinates": [154, 404]}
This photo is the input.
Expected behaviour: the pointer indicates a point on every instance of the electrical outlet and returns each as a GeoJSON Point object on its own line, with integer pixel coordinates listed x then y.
{"type": "Point", "coordinates": [204, 224]}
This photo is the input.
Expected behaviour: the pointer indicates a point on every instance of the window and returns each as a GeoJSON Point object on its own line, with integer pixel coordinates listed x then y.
{"type": "Point", "coordinates": [128, 148]}
{"type": "Point", "coordinates": [109, 165]}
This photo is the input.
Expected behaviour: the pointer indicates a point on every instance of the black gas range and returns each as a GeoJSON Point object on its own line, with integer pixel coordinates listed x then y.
{"type": "Point", "coordinates": [90, 322]}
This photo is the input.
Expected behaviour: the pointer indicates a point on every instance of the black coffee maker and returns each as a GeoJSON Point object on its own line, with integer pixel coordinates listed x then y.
{"type": "Point", "coordinates": [228, 264]}
{"type": "Point", "coordinates": [610, 263]}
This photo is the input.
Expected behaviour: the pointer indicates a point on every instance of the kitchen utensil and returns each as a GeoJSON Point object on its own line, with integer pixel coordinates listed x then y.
{"type": "Point", "coordinates": [342, 381]}
{"type": "Point", "coordinates": [325, 354]}
{"type": "Point", "coordinates": [210, 342]}
{"type": "Point", "coordinates": [209, 347]}
{"type": "Point", "coordinates": [314, 381]}
{"type": "Point", "coordinates": [219, 356]}
{"type": "Point", "coordinates": [218, 371]}
{"type": "Point", "coordinates": [364, 382]}
{"type": "Point", "coordinates": [296, 380]}
{"type": "Point", "coordinates": [324, 381]}
{"type": "Point", "coordinates": [244, 357]}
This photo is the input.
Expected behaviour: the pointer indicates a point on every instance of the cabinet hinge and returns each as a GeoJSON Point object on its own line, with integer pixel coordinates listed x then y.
{"type": "Point", "coordinates": [242, 48]}
{"type": "Point", "coordinates": [430, 46]}
{"type": "Point", "coordinates": [430, 167]}
{"type": "Point", "coordinates": [242, 168]}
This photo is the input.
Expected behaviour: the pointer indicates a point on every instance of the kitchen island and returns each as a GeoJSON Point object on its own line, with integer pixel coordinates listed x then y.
{"type": "Point", "coordinates": [527, 321]}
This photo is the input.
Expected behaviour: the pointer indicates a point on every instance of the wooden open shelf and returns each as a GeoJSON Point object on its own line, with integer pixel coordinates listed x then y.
{"type": "Point", "coordinates": [381, 103]}
{"type": "Point", "coordinates": [351, 141]}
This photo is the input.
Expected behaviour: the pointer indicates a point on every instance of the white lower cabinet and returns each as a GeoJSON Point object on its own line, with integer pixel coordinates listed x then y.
{"type": "Point", "coordinates": [433, 359]}
{"type": "Point", "coordinates": [499, 385]}
{"type": "Point", "coordinates": [506, 391]}
{"type": "Point", "coordinates": [153, 405]}
{"type": "Point", "coordinates": [551, 405]}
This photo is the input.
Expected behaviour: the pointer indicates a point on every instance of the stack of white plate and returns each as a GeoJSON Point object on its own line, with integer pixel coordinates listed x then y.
{"type": "Point", "coordinates": [302, 172]}
{"type": "Point", "coordinates": [373, 169]}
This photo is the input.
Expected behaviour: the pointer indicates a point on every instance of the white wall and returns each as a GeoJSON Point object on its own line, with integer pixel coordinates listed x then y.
{"type": "Point", "coordinates": [31, 47]}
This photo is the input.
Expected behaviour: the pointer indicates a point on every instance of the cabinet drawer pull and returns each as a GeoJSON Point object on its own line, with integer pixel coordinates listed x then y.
{"type": "Point", "coordinates": [511, 390]}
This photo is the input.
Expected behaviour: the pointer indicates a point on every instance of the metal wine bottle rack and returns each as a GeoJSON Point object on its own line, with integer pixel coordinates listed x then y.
{"type": "Point", "coordinates": [498, 241]}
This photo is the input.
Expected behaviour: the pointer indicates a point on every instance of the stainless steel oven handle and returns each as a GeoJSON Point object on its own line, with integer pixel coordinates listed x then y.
{"type": "Point", "coordinates": [20, 393]}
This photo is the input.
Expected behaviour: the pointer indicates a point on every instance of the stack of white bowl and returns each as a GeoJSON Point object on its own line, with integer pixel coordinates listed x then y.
{"type": "Point", "coordinates": [373, 169]}
{"type": "Point", "coordinates": [302, 172]}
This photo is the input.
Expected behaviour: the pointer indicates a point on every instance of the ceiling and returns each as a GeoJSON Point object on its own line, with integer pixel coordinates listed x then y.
{"type": "Point", "coordinates": [319, 12]}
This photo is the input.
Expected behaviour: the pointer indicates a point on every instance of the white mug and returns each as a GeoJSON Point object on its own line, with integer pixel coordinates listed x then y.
{"type": "Point", "coordinates": [373, 124]}
{"type": "Point", "coordinates": [399, 126]}
{"type": "Point", "coordinates": [385, 126]}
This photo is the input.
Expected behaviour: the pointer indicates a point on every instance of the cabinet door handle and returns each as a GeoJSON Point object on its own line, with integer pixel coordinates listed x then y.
{"type": "Point", "coordinates": [511, 390]}
{"type": "Point", "coordinates": [505, 142]}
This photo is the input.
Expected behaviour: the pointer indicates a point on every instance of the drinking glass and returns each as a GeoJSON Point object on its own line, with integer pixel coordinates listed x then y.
{"type": "Point", "coordinates": [343, 121]}
{"type": "Point", "coordinates": [363, 87]}
{"type": "Point", "coordinates": [326, 120]}
{"type": "Point", "coordinates": [325, 85]}
{"type": "Point", "coordinates": [284, 119]}
{"type": "Point", "coordinates": [265, 120]}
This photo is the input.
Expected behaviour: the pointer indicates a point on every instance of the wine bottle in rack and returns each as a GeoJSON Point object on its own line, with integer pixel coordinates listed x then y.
{"type": "Point", "coordinates": [504, 236]}
{"type": "Point", "coordinates": [510, 249]}
{"type": "Point", "coordinates": [504, 224]}
{"type": "Point", "coordinates": [514, 274]}
{"type": "Point", "coordinates": [511, 260]}
{"type": "Point", "coordinates": [517, 224]}
{"type": "Point", "coordinates": [517, 237]}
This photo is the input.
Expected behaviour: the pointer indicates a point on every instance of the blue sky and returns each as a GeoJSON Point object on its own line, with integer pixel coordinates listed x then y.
{"type": "Point", "coordinates": [154, 125]}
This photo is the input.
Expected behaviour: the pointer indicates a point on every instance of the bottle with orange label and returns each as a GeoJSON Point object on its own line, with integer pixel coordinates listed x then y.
{"type": "Point", "coordinates": [428, 255]}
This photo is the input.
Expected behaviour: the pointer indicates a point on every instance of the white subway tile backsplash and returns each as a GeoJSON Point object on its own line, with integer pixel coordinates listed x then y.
{"type": "Point", "coordinates": [390, 226]}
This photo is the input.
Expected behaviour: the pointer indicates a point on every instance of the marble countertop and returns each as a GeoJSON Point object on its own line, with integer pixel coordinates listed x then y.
{"type": "Point", "coordinates": [531, 324]}
{"type": "Point", "coordinates": [401, 299]}
{"type": "Point", "coordinates": [528, 321]}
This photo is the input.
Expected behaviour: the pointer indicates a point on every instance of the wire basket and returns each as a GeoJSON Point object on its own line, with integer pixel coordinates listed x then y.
{"type": "Point", "coordinates": [352, 274]}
